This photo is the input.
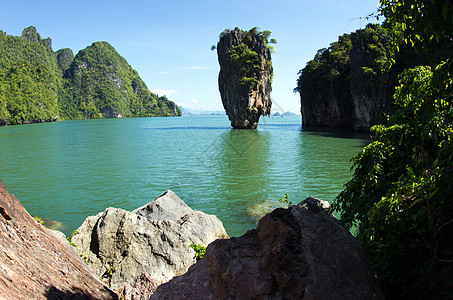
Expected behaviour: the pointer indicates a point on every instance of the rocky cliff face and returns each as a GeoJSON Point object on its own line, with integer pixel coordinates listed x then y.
{"type": "Point", "coordinates": [154, 240]}
{"type": "Point", "coordinates": [330, 107]}
{"type": "Point", "coordinates": [345, 86]}
{"type": "Point", "coordinates": [34, 264]}
{"type": "Point", "coordinates": [297, 253]}
{"type": "Point", "coordinates": [371, 87]}
{"type": "Point", "coordinates": [245, 76]}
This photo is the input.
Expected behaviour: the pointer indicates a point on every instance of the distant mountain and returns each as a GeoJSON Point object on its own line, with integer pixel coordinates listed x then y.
{"type": "Point", "coordinates": [285, 114]}
{"type": "Point", "coordinates": [289, 114]}
{"type": "Point", "coordinates": [188, 111]}
{"type": "Point", "coordinates": [40, 85]}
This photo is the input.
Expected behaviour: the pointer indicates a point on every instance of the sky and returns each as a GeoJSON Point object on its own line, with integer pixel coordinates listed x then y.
{"type": "Point", "coordinates": [169, 42]}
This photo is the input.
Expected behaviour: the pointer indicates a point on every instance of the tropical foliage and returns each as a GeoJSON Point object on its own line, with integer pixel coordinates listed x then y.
{"type": "Point", "coordinates": [400, 198]}
{"type": "Point", "coordinates": [328, 64]}
{"type": "Point", "coordinates": [200, 251]}
{"type": "Point", "coordinates": [333, 64]}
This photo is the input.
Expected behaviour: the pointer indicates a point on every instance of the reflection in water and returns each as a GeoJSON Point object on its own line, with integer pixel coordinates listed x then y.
{"type": "Point", "coordinates": [243, 155]}
{"type": "Point", "coordinates": [337, 133]}
{"type": "Point", "coordinates": [325, 160]}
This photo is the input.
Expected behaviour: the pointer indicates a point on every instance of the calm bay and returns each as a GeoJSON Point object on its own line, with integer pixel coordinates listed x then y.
{"type": "Point", "coordinates": [66, 171]}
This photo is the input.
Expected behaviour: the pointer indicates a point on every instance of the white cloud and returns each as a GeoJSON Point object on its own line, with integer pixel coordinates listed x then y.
{"type": "Point", "coordinates": [163, 73]}
{"type": "Point", "coordinates": [195, 101]}
{"type": "Point", "coordinates": [163, 92]}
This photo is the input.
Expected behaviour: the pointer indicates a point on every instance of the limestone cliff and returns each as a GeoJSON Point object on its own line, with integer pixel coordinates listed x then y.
{"type": "Point", "coordinates": [64, 58]}
{"type": "Point", "coordinates": [346, 85]}
{"type": "Point", "coordinates": [245, 76]}
{"type": "Point", "coordinates": [371, 85]}
{"type": "Point", "coordinates": [40, 85]}
{"type": "Point", "coordinates": [29, 79]}
{"type": "Point", "coordinates": [31, 34]}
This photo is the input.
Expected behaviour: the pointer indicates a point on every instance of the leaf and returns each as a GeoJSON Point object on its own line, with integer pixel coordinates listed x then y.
{"type": "Point", "coordinates": [432, 193]}
{"type": "Point", "coordinates": [417, 201]}
{"type": "Point", "coordinates": [445, 11]}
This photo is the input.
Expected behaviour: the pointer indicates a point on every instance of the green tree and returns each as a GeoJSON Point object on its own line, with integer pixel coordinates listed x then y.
{"type": "Point", "coordinates": [420, 20]}
{"type": "Point", "coordinates": [427, 25]}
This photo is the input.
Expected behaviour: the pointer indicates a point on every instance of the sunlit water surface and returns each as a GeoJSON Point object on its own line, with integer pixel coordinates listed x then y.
{"type": "Point", "coordinates": [66, 171]}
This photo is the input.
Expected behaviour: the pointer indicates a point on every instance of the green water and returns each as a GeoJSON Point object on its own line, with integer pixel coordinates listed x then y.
{"type": "Point", "coordinates": [66, 171]}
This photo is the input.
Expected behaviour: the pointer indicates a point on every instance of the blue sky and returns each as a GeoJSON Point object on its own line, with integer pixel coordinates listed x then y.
{"type": "Point", "coordinates": [168, 42]}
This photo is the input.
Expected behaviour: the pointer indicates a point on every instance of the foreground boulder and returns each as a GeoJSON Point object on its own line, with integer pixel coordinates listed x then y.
{"type": "Point", "coordinates": [297, 253]}
{"type": "Point", "coordinates": [245, 76]}
{"type": "Point", "coordinates": [36, 265]}
{"type": "Point", "coordinates": [151, 243]}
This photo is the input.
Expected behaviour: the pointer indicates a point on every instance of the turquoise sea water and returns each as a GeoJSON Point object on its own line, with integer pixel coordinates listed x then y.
{"type": "Point", "coordinates": [66, 171]}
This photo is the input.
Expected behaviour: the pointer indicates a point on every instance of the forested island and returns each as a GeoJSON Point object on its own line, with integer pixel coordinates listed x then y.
{"type": "Point", "coordinates": [40, 85]}
{"type": "Point", "coordinates": [350, 84]}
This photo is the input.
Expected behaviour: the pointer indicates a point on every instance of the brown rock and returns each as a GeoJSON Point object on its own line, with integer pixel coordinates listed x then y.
{"type": "Point", "coordinates": [297, 253]}
{"type": "Point", "coordinates": [35, 265]}
{"type": "Point", "coordinates": [141, 289]}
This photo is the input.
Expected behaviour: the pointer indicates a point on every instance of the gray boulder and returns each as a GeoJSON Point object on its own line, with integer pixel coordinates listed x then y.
{"type": "Point", "coordinates": [120, 246]}
{"type": "Point", "coordinates": [297, 253]}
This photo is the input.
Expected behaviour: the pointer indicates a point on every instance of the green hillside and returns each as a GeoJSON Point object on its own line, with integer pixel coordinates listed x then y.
{"type": "Point", "coordinates": [100, 83]}
{"type": "Point", "coordinates": [40, 85]}
{"type": "Point", "coordinates": [29, 79]}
